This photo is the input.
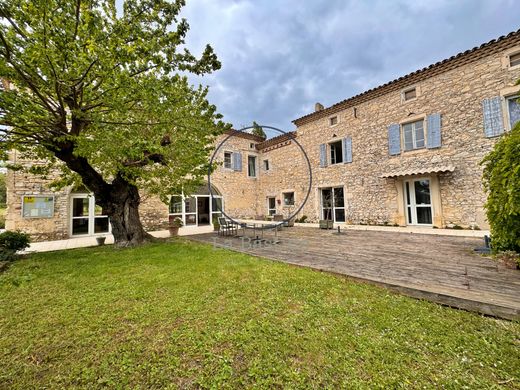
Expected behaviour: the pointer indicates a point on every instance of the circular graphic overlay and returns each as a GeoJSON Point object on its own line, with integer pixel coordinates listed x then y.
{"type": "Point", "coordinates": [264, 226]}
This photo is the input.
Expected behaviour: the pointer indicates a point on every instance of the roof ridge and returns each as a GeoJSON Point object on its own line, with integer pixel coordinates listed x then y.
{"type": "Point", "coordinates": [420, 72]}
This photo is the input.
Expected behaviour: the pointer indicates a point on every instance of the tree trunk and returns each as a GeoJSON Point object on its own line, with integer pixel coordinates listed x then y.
{"type": "Point", "coordinates": [120, 199]}
{"type": "Point", "coordinates": [122, 207]}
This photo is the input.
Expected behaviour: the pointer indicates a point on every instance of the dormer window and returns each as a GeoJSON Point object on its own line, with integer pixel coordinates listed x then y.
{"type": "Point", "coordinates": [333, 121]}
{"type": "Point", "coordinates": [514, 59]}
{"type": "Point", "coordinates": [409, 94]}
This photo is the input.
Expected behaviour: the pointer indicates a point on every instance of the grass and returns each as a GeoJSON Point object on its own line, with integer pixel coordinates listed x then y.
{"type": "Point", "coordinates": [182, 314]}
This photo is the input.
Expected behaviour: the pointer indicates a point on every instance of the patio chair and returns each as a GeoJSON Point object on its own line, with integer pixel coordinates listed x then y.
{"type": "Point", "coordinates": [226, 227]}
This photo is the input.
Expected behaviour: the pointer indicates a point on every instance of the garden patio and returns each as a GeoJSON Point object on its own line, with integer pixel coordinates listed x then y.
{"type": "Point", "coordinates": [443, 269]}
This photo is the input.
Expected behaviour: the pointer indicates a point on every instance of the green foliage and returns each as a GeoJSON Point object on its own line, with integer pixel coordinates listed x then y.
{"type": "Point", "coordinates": [106, 91]}
{"type": "Point", "coordinates": [502, 183]}
{"type": "Point", "coordinates": [187, 315]}
{"type": "Point", "coordinates": [303, 219]}
{"type": "Point", "coordinates": [258, 130]}
{"type": "Point", "coordinates": [11, 242]}
{"type": "Point", "coordinates": [15, 241]}
{"type": "Point", "coordinates": [3, 190]}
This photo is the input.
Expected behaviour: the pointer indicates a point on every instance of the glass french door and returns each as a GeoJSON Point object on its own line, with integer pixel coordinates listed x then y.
{"type": "Point", "coordinates": [333, 204]}
{"type": "Point", "coordinates": [418, 202]}
{"type": "Point", "coordinates": [196, 210]}
{"type": "Point", "coordinates": [271, 205]}
{"type": "Point", "coordinates": [86, 217]}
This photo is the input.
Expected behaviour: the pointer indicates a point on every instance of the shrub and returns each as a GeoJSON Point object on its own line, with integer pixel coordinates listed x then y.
{"type": "Point", "coordinates": [302, 219]}
{"type": "Point", "coordinates": [2, 221]}
{"type": "Point", "coordinates": [11, 242]}
{"type": "Point", "coordinates": [502, 183]}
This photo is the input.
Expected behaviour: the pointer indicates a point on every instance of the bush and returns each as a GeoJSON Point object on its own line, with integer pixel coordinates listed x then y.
{"type": "Point", "coordinates": [10, 243]}
{"type": "Point", "coordinates": [502, 183]}
{"type": "Point", "coordinates": [303, 219]}
{"type": "Point", "coordinates": [2, 221]}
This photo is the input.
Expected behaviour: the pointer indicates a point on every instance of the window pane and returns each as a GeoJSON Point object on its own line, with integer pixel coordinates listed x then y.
{"type": "Point", "coordinates": [101, 225]}
{"type": "Point", "coordinates": [408, 137]}
{"type": "Point", "coordinates": [191, 205]}
{"type": "Point", "coordinates": [410, 94]}
{"type": "Point", "coordinates": [191, 219]}
{"type": "Point", "coordinates": [340, 215]}
{"type": "Point", "coordinates": [288, 198]}
{"type": "Point", "coordinates": [98, 210]}
{"type": "Point", "coordinates": [216, 204]}
{"type": "Point", "coordinates": [175, 205]}
{"type": "Point", "coordinates": [407, 185]}
{"type": "Point", "coordinates": [339, 200]}
{"type": "Point", "coordinates": [419, 136]}
{"type": "Point", "coordinates": [80, 207]}
{"type": "Point", "coordinates": [424, 215]}
{"type": "Point", "coordinates": [336, 153]}
{"type": "Point", "coordinates": [514, 111]}
{"type": "Point", "coordinates": [409, 214]}
{"type": "Point", "coordinates": [251, 166]}
{"type": "Point", "coordinates": [326, 197]}
{"type": "Point", "coordinates": [80, 226]}
{"type": "Point", "coordinates": [422, 192]}
{"type": "Point", "coordinates": [227, 160]}
{"type": "Point", "coordinates": [514, 59]}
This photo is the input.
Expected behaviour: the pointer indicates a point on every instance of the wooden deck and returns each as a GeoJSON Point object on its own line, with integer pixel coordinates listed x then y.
{"type": "Point", "coordinates": [438, 268]}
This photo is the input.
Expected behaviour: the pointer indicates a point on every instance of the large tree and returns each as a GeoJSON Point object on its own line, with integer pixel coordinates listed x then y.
{"type": "Point", "coordinates": [101, 94]}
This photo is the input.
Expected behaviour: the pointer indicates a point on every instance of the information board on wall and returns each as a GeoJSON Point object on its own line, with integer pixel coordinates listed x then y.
{"type": "Point", "coordinates": [38, 206]}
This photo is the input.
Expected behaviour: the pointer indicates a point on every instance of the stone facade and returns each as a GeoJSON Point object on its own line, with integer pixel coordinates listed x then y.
{"type": "Point", "coordinates": [372, 179]}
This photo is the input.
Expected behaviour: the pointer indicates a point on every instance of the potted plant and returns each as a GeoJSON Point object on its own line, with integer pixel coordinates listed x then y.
{"type": "Point", "coordinates": [216, 224]}
{"type": "Point", "coordinates": [174, 224]}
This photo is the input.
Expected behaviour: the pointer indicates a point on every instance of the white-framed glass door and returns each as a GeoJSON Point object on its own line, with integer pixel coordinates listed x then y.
{"type": "Point", "coordinates": [196, 210]}
{"type": "Point", "coordinates": [271, 205]}
{"type": "Point", "coordinates": [417, 194]}
{"type": "Point", "coordinates": [333, 204]}
{"type": "Point", "coordinates": [87, 218]}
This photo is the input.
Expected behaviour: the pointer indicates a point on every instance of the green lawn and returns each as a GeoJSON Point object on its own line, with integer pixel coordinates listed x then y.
{"type": "Point", "coordinates": [185, 315]}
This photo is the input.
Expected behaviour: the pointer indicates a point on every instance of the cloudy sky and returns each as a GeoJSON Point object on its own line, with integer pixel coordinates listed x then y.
{"type": "Point", "coordinates": [279, 57]}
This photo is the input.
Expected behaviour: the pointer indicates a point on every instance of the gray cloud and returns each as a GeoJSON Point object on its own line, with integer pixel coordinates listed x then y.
{"type": "Point", "coordinates": [280, 57]}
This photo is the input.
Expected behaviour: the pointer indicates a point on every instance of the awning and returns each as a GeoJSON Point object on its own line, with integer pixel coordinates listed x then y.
{"type": "Point", "coordinates": [419, 171]}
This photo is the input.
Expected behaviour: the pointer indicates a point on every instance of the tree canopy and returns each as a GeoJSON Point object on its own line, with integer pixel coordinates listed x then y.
{"type": "Point", "coordinates": [258, 130]}
{"type": "Point", "coordinates": [106, 94]}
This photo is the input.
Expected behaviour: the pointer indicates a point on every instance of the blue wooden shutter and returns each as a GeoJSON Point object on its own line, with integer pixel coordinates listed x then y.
{"type": "Point", "coordinates": [347, 150]}
{"type": "Point", "coordinates": [434, 131]}
{"type": "Point", "coordinates": [394, 139]}
{"type": "Point", "coordinates": [493, 122]}
{"type": "Point", "coordinates": [323, 155]}
{"type": "Point", "coordinates": [237, 161]}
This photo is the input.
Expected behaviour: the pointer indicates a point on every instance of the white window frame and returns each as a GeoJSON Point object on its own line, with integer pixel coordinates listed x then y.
{"type": "Point", "coordinates": [183, 213]}
{"type": "Point", "coordinates": [91, 216]}
{"type": "Point", "coordinates": [333, 207]}
{"type": "Point", "coordinates": [340, 142]}
{"type": "Point", "coordinates": [414, 135]}
{"type": "Point", "coordinates": [271, 211]}
{"type": "Point", "coordinates": [413, 205]}
{"type": "Point", "coordinates": [230, 160]}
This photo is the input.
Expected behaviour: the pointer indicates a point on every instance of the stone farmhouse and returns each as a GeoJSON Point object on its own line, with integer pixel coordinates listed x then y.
{"type": "Point", "coordinates": [404, 153]}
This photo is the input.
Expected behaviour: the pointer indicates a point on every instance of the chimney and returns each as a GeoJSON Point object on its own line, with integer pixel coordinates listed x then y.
{"type": "Point", "coordinates": [318, 107]}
